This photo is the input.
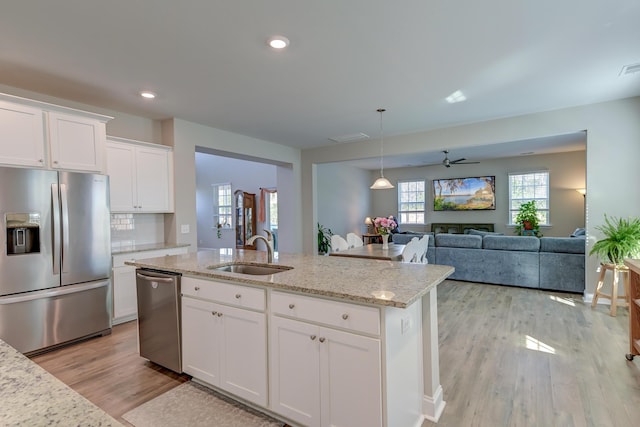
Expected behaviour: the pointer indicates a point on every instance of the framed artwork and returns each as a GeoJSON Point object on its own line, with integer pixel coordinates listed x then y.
{"type": "Point", "coordinates": [464, 194]}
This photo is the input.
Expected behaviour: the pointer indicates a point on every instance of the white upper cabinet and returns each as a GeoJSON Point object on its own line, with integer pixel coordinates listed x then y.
{"type": "Point", "coordinates": [76, 143]}
{"type": "Point", "coordinates": [21, 135]}
{"type": "Point", "coordinates": [141, 176]}
{"type": "Point", "coordinates": [71, 140]}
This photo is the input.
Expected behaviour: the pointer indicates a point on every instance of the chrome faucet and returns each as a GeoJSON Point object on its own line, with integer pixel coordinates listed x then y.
{"type": "Point", "coordinates": [267, 240]}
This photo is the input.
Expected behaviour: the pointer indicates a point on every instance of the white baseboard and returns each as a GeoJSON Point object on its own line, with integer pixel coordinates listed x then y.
{"type": "Point", "coordinates": [432, 407]}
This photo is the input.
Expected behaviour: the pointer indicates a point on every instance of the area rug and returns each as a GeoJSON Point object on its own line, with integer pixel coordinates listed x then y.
{"type": "Point", "coordinates": [193, 405]}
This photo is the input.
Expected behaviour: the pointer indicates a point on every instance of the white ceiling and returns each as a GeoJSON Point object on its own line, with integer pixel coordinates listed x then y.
{"type": "Point", "coordinates": [209, 63]}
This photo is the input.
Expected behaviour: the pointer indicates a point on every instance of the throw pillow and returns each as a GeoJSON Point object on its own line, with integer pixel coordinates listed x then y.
{"type": "Point", "coordinates": [579, 232]}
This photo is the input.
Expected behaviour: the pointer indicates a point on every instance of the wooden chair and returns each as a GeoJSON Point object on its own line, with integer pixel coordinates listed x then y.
{"type": "Point", "coordinates": [354, 241]}
{"type": "Point", "coordinates": [338, 243]}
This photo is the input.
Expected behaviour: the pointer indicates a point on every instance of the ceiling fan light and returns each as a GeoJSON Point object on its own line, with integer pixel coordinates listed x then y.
{"type": "Point", "coordinates": [382, 183]}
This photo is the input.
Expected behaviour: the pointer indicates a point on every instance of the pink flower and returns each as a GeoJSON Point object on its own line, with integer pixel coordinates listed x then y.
{"type": "Point", "coordinates": [385, 225]}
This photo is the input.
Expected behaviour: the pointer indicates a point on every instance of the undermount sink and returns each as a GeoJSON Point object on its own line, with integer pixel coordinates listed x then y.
{"type": "Point", "coordinates": [255, 270]}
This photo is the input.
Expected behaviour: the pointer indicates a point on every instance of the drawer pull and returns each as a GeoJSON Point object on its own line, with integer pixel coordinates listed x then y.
{"type": "Point", "coordinates": [313, 337]}
{"type": "Point", "coordinates": [219, 314]}
{"type": "Point", "coordinates": [345, 316]}
{"type": "Point", "coordinates": [321, 339]}
{"type": "Point", "coordinates": [238, 296]}
{"type": "Point", "coordinates": [291, 306]}
{"type": "Point", "coordinates": [197, 288]}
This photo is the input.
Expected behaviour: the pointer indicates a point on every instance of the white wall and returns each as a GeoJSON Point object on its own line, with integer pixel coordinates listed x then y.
{"type": "Point", "coordinates": [567, 171]}
{"type": "Point", "coordinates": [185, 137]}
{"type": "Point", "coordinates": [242, 175]}
{"type": "Point", "coordinates": [343, 198]}
{"type": "Point", "coordinates": [613, 147]}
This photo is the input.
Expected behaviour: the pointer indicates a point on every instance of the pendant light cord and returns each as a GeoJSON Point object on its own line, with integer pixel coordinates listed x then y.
{"type": "Point", "coordinates": [381, 110]}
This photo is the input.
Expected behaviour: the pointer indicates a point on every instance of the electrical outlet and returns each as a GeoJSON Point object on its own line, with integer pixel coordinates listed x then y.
{"type": "Point", "coordinates": [184, 228]}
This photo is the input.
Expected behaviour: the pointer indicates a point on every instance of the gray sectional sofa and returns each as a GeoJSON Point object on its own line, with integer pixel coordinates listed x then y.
{"type": "Point", "coordinates": [554, 263]}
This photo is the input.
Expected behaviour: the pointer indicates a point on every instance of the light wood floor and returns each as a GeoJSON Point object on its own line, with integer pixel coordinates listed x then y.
{"type": "Point", "coordinates": [109, 372]}
{"type": "Point", "coordinates": [508, 357]}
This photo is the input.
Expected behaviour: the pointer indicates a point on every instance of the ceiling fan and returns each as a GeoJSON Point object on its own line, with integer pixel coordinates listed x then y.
{"type": "Point", "coordinates": [447, 163]}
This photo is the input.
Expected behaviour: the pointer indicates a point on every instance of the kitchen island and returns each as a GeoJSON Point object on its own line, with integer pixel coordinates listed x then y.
{"type": "Point", "coordinates": [324, 341]}
{"type": "Point", "coordinates": [30, 396]}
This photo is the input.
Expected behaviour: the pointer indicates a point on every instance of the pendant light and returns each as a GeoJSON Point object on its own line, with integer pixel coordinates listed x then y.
{"type": "Point", "coordinates": [381, 183]}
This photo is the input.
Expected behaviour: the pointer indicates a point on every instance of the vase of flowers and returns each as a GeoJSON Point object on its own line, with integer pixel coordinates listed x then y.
{"type": "Point", "coordinates": [384, 226]}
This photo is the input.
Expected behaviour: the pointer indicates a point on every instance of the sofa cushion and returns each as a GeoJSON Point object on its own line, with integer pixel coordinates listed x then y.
{"type": "Point", "coordinates": [483, 233]}
{"type": "Point", "coordinates": [405, 237]}
{"type": "Point", "coordinates": [511, 243]}
{"type": "Point", "coordinates": [459, 241]}
{"type": "Point", "coordinates": [562, 245]}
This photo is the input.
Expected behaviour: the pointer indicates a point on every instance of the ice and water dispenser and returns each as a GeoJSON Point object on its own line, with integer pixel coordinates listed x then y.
{"type": "Point", "coordinates": [23, 233]}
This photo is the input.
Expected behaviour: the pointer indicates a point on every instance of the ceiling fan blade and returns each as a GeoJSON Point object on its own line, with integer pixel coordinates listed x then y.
{"type": "Point", "coordinates": [465, 163]}
{"type": "Point", "coordinates": [459, 160]}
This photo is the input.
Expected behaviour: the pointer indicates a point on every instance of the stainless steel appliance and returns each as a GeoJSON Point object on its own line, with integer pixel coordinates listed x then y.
{"type": "Point", "coordinates": [55, 260]}
{"type": "Point", "coordinates": [159, 317]}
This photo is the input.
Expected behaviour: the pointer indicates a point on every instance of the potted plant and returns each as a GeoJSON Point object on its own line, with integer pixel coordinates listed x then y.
{"type": "Point", "coordinates": [622, 240]}
{"type": "Point", "coordinates": [324, 239]}
{"type": "Point", "coordinates": [527, 218]}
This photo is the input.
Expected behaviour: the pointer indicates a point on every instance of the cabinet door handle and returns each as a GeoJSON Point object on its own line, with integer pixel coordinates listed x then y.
{"type": "Point", "coordinates": [321, 339]}
{"type": "Point", "coordinates": [238, 296]}
{"type": "Point", "coordinates": [213, 313]}
{"type": "Point", "coordinates": [197, 288]}
{"type": "Point", "coordinates": [219, 314]}
{"type": "Point", "coordinates": [313, 337]}
{"type": "Point", "coordinates": [291, 306]}
{"type": "Point", "coordinates": [345, 316]}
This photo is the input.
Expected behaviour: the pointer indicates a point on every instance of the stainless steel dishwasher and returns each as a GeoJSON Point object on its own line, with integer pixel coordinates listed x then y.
{"type": "Point", "coordinates": [159, 337]}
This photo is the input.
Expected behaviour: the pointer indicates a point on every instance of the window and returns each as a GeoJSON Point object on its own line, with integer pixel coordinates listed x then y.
{"type": "Point", "coordinates": [411, 202]}
{"type": "Point", "coordinates": [222, 205]}
{"type": "Point", "coordinates": [526, 187]}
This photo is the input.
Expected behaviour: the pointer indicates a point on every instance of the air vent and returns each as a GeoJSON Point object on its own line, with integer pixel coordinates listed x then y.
{"type": "Point", "coordinates": [630, 69]}
{"type": "Point", "coordinates": [350, 138]}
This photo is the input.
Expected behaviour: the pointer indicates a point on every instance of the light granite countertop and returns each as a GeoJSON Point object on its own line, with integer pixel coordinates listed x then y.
{"type": "Point", "coordinates": [385, 283]}
{"type": "Point", "coordinates": [132, 247]}
{"type": "Point", "coordinates": [30, 396]}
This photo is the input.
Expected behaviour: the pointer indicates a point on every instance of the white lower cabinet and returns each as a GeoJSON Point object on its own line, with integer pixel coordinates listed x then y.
{"type": "Point", "coordinates": [223, 345]}
{"type": "Point", "coordinates": [125, 296]}
{"type": "Point", "coordinates": [322, 376]}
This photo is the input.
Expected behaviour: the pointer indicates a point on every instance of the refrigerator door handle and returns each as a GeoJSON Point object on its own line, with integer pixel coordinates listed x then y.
{"type": "Point", "coordinates": [55, 210]}
{"type": "Point", "coordinates": [65, 228]}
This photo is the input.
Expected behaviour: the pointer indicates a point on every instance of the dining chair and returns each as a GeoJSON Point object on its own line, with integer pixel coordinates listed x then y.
{"type": "Point", "coordinates": [411, 251]}
{"type": "Point", "coordinates": [354, 241]}
{"type": "Point", "coordinates": [338, 243]}
{"type": "Point", "coordinates": [423, 244]}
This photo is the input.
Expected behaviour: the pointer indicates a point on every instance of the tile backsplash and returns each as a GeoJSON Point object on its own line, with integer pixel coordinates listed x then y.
{"type": "Point", "coordinates": [136, 229]}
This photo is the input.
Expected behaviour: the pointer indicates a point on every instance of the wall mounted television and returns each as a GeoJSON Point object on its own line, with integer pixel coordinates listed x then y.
{"type": "Point", "coordinates": [464, 194]}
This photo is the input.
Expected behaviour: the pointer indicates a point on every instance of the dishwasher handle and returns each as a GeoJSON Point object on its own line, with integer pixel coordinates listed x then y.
{"type": "Point", "coordinates": [155, 278]}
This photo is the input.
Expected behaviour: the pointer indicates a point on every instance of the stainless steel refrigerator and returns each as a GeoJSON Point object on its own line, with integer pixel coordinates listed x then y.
{"type": "Point", "coordinates": [55, 260]}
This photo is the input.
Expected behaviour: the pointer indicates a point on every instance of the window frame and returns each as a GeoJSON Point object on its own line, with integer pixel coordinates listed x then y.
{"type": "Point", "coordinates": [513, 211]}
{"type": "Point", "coordinates": [401, 213]}
{"type": "Point", "coordinates": [217, 214]}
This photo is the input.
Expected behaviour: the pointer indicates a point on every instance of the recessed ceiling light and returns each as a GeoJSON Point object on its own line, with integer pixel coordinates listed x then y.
{"type": "Point", "coordinates": [147, 94]}
{"type": "Point", "coordinates": [456, 96]}
{"type": "Point", "coordinates": [278, 42]}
